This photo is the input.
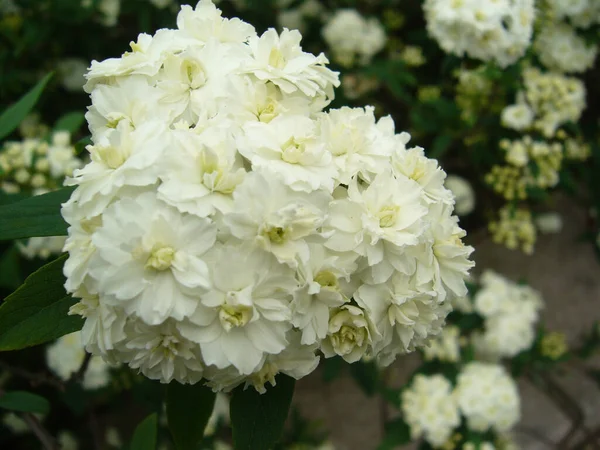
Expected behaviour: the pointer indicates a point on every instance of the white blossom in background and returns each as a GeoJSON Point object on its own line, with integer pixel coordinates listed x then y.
{"type": "Point", "coordinates": [430, 409]}
{"type": "Point", "coordinates": [66, 441]}
{"type": "Point", "coordinates": [41, 247]}
{"type": "Point", "coordinates": [488, 30]}
{"type": "Point", "coordinates": [296, 18]}
{"type": "Point", "coordinates": [228, 229]}
{"type": "Point", "coordinates": [581, 13]}
{"type": "Point", "coordinates": [352, 38]}
{"type": "Point", "coordinates": [488, 397]}
{"type": "Point", "coordinates": [65, 356]}
{"type": "Point", "coordinates": [72, 73]}
{"type": "Point", "coordinates": [549, 223]}
{"type": "Point", "coordinates": [110, 10]}
{"type": "Point", "coordinates": [464, 195]}
{"type": "Point", "coordinates": [445, 346]}
{"type": "Point", "coordinates": [510, 313]}
{"type": "Point", "coordinates": [560, 49]}
{"type": "Point", "coordinates": [518, 117]}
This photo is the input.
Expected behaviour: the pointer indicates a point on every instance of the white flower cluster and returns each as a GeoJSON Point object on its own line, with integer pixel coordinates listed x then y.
{"type": "Point", "coordinates": [229, 229]}
{"type": "Point", "coordinates": [488, 397]}
{"type": "Point", "coordinates": [35, 166]}
{"type": "Point", "coordinates": [464, 194]}
{"type": "Point", "coordinates": [581, 13]}
{"type": "Point", "coordinates": [488, 30]}
{"type": "Point", "coordinates": [485, 395]}
{"type": "Point", "coordinates": [548, 101]}
{"type": "Point", "coordinates": [560, 49]}
{"type": "Point", "coordinates": [511, 312]}
{"type": "Point", "coordinates": [65, 356]}
{"type": "Point", "coordinates": [352, 38]}
{"type": "Point", "coordinates": [430, 409]}
{"type": "Point", "coordinates": [445, 346]}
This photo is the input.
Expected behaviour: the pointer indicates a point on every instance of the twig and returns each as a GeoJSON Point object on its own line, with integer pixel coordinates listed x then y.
{"type": "Point", "coordinates": [588, 440]}
{"type": "Point", "coordinates": [93, 424]}
{"type": "Point", "coordinates": [34, 378]}
{"type": "Point", "coordinates": [78, 376]}
{"type": "Point", "coordinates": [42, 434]}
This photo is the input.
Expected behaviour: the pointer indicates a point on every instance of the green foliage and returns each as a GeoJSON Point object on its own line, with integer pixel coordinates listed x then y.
{"type": "Point", "coordinates": [12, 117]}
{"type": "Point", "coordinates": [37, 312]}
{"type": "Point", "coordinates": [257, 419]}
{"type": "Point", "coordinates": [70, 122]}
{"type": "Point", "coordinates": [24, 402]}
{"type": "Point", "coordinates": [366, 374]}
{"type": "Point", "coordinates": [397, 433]}
{"type": "Point", "coordinates": [144, 436]}
{"type": "Point", "coordinates": [10, 276]}
{"type": "Point", "coordinates": [35, 216]}
{"type": "Point", "coordinates": [188, 409]}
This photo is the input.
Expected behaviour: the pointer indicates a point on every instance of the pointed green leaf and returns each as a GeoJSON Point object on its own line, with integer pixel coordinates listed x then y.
{"type": "Point", "coordinates": [258, 419]}
{"type": "Point", "coordinates": [14, 114]}
{"type": "Point", "coordinates": [37, 312]}
{"type": "Point", "coordinates": [34, 216]}
{"type": "Point", "coordinates": [24, 402]}
{"type": "Point", "coordinates": [188, 409]}
{"type": "Point", "coordinates": [144, 436]}
{"type": "Point", "coordinates": [397, 433]}
{"type": "Point", "coordinates": [70, 122]}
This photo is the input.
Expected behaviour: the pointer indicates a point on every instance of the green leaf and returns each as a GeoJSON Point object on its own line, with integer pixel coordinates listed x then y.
{"type": "Point", "coordinates": [10, 276]}
{"type": "Point", "coordinates": [397, 433]}
{"type": "Point", "coordinates": [366, 374]}
{"type": "Point", "coordinates": [441, 145]}
{"type": "Point", "coordinates": [82, 143]}
{"type": "Point", "coordinates": [144, 436]}
{"type": "Point", "coordinates": [70, 122]}
{"type": "Point", "coordinates": [37, 312]}
{"type": "Point", "coordinates": [24, 402]}
{"type": "Point", "coordinates": [257, 419]}
{"type": "Point", "coordinates": [188, 409]}
{"type": "Point", "coordinates": [14, 114]}
{"type": "Point", "coordinates": [331, 368]}
{"type": "Point", "coordinates": [34, 216]}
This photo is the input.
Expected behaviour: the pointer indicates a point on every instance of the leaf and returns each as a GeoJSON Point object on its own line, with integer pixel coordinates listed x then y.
{"type": "Point", "coordinates": [366, 375]}
{"type": "Point", "coordinates": [441, 145]}
{"type": "Point", "coordinates": [82, 143]}
{"type": "Point", "coordinates": [257, 419]}
{"type": "Point", "coordinates": [397, 433]}
{"type": "Point", "coordinates": [144, 436]}
{"type": "Point", "coordinates": [332, 368]}
{"type": "Point", "coordinates": [34, 216]}
{"type": "Point", "coordinates": [24, 402]}
{"type": "Point", "coordinates": [188, 409]}
{"type": "Point", "coordinates": [14, 114]}
{"type": "Point", "coordinates": [37, 312]}
{"type": "Point", "coordinates": [70, 122]}
{"type": "Point", "coordinates": [10, 276]}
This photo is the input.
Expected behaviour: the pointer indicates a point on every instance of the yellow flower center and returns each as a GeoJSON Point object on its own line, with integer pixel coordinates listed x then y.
{"type": "Point", "coordinates": [387, 216]}
{"type": "Point", "coordinates": [234, 316]}
{"type": "Point", "coordinates": [327, 279]}
{"type": "Point", "coordinates": [161, 258]}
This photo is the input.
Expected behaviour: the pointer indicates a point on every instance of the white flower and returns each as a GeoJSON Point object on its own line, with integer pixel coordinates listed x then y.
{"type": "Point", "coordinates": [549, 223]}
{"type": "Point", "coordinates": [72, 72]}
{"type": "Point", "coordinates": [464, 195]}
{"type": "Point", "coordinates": [246, 314]}
{"type": "Point", "coordinates": [517, 117]}
{"type": "Point", "coordinates": [488, 397]}
{"type": "Point", "coordinates": [357, 143]}
{"type": "Point", "coordinates": [488, 30]}
{"type": "Point", "coordinates": [289, 149]}
{"type": "Point", "coordinates": [65, 356]}
{"type": "Point", "coordinates": [350, 334]}
{"type": "Point", "coordinates": [324, 275]}
{"type": "Point", "coordinates": [41, 247]}
{"type": "Point", "coordinates": [561, 49]}
{"type": "Point", "coordinates": [277, 219]}
{"type": "Point", "coordinates": [445, 346]}
{"type": "Point", "coordinates": [405, 314]}
{"type": "Point", "coordinates": [350, 36]}
{"type": "Point", "coordinates": [280, 59]}
{"type": "Point", "coordinates": [430, 409]}
{"type": "Point", "coordinates": [148, 258]}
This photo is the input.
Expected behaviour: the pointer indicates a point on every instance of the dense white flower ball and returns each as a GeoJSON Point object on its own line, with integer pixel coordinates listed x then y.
{"type": "Point", "coordinates": [430, 409]}
{"type": "Point", "coordinates": [352, 38]}
{"type": "Point", "coordinates": [229, 229]}
{"type": "Point", "coordinates": [560, 49]}
{"type": "Point", "coordinates": [488, 397]}
{"type": "Point", "coordinates": [489, 30]}
{"type": "Point", "coordinates": [511, 312]}
{"type": "Point", "coordinates": [65, 356]}
{"type": "Point", "coordinates": [581, 13]}
{"type": "Point", "coordinates": [464, 195]}
{"type": "Point", "coordinates": [445, 346]}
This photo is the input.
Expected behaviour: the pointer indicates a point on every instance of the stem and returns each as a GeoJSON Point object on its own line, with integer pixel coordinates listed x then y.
{"type": "Point", "coordinates": [34, 378]}
{"type": "Point", "coordinates": [41, 433]}
{"type": "Point", "coordinates": [78, 376]}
